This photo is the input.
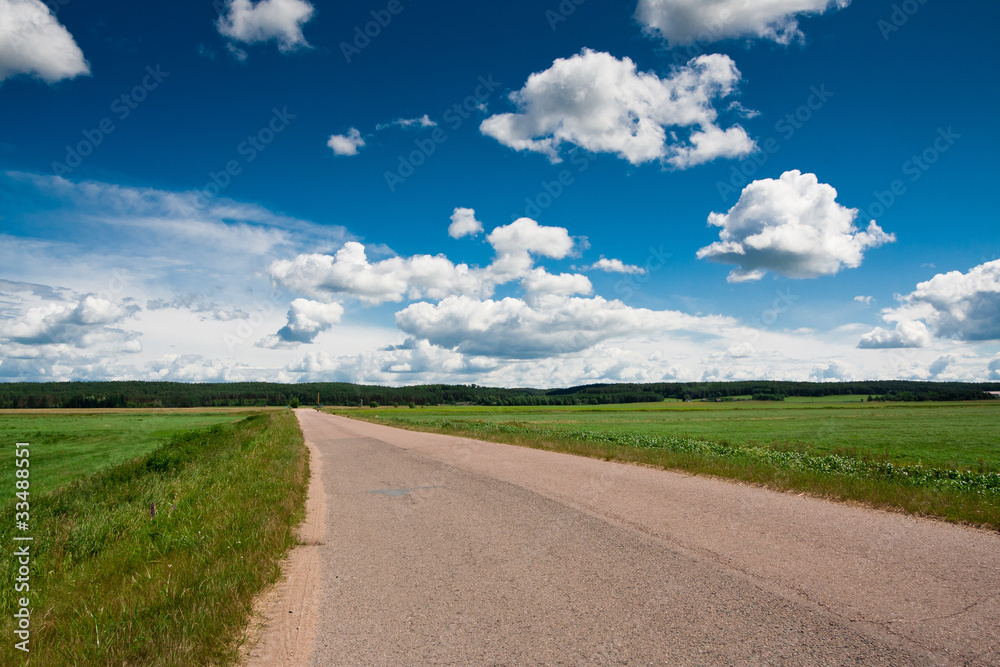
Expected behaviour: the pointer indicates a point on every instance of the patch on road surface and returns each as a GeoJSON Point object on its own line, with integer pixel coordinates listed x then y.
{"type": "Point", "coordinates": [394, 493]}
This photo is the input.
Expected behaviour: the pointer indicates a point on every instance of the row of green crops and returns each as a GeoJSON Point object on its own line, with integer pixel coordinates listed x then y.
{"type": "Point", "coordinates": [831, 464]}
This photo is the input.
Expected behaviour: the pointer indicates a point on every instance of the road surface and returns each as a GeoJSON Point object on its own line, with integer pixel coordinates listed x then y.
{"type": "Point", "coordinates": [424, 549]}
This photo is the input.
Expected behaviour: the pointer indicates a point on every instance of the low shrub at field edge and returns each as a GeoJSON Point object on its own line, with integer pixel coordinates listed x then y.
{"type": "Point", "coordinates": [111, 584]}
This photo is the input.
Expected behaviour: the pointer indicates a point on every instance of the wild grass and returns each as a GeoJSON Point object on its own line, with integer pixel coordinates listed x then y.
{"type": "Point", "coordinates": [113, 585]}
{"type": "Point", "coordinates": [970, 494]}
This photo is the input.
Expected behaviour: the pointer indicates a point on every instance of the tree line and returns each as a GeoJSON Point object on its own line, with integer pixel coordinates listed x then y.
{"type": "Point", "coordinates": [141, 394]}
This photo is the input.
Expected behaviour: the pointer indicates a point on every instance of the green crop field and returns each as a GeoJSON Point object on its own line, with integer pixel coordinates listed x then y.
{"type": "Point", "coordinates": [66, 445]}
{"type": "Point", "coordinates": [940, 459]}
{"type": "Point", "coordinates": [951, 435]}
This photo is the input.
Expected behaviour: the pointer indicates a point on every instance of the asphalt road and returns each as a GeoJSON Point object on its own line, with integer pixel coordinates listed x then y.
{"type": "Point", "coordinates": [441, 550]}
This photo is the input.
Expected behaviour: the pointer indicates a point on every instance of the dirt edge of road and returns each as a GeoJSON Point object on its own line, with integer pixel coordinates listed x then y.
{"type": "Point", "coordinates": [282, 629]}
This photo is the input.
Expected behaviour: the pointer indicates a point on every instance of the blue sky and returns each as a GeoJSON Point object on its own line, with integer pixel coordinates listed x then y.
{"type": "Point", "coordinates": [514, 193]}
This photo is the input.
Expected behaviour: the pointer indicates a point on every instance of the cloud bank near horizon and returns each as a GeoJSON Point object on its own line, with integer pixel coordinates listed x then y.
{"type": "Point", "coordinates": [314, 299]}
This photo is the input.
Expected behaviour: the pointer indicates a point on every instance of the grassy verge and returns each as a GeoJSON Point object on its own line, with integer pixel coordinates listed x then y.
{"type": "Point", "coordinates": [113, 585]}
{"type": "Point", "coordinates": [955, 495]}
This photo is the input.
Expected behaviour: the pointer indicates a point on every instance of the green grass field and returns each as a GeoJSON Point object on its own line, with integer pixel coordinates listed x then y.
{"type": "Point", "coordinates": [66, 445]}
{"type": "Point", "coordinates": [950, 435]}
{"type": "Point", "coordinates": [112, 584]}
{"type": "Point", "coordinates": [836, 398]}
{"type": "Point", "coordinates": [936, 459]}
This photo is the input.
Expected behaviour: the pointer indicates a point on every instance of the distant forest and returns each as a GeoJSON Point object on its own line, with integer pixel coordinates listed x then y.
{"type": "Point", "coordinates": [135, 394]}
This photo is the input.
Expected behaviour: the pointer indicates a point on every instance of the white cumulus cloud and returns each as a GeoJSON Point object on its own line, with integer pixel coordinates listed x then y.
{"type": "Point", "coordinates": [541, 282]}
{"type": "Point", "coordinates": [516, 329]}
{"type": "Point", "coordinates": [994, 368]}
{"type": "Point", "coordinates": [689, 21]}
{"type": "Point", "coordinates": [742, 350]}
{"type": "Point", "coordinates": [517, 242]}
{"type": "Point", "coordinates": [526, 235]}
{"type": "Point", "coordinates": [43, 327]}
{"type": "Point", "coordinates": [940, 365]}
{"type": "Point", "coordinates": [615, 266]}
{"type": "Point", "coordinates": [906, 334]}
{"type": "Point", "coordinates": [407, 123]}
{"type": "Point", "coordinates": [33, 42]}
{"type": "Point", "coordinates": [792, 226]}
{"type": "Point", "coordinates": [464, 223]}
{"type": "Point", "coordinates": [834, 371]}
{"type": "Point", "coordinates": [350, 273]}
{"type": "Point", "coordinates": [306, 320]}
{"type": "Point", "coordinates": [605, 105]}
{"type": "Point", "coordinates": [956, 305]}
{"type": "Point", "coordinates": [195, 368]}
{"type": "Point", "coordinates": [346, 144]}
{"type": "Point", "coordinates": [281, 20]}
